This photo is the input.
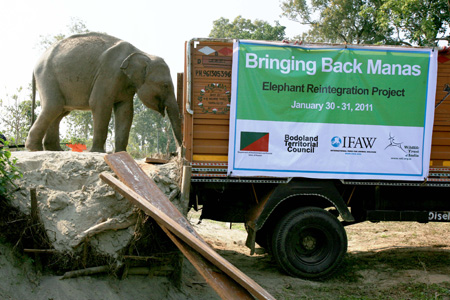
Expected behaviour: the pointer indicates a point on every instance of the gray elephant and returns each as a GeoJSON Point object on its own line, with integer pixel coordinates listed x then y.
{"type": "Point", "coordinates": [101, 73]}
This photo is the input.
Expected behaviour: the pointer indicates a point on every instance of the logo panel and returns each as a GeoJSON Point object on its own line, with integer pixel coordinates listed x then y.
{"type": "Point", "coordinates": [254, 141]}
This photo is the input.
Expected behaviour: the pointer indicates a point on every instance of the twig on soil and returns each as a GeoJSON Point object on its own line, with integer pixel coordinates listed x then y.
{"type": "Point", "coordinates": [48, 251]}
{"type": "Point", "coordinates": [145, 258]}
{"type": "Point", "coordinates": [109, 224]}
{"type": "Point", "coordinates": [86, 272]}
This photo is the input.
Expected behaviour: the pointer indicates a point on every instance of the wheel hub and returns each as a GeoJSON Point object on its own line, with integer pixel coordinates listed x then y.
{"type": "Point", "coordinates": [309, 242]}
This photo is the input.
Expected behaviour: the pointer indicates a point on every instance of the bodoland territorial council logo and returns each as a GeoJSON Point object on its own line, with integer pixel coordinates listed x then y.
{"type": "Point", "coordinates": [254, 141]}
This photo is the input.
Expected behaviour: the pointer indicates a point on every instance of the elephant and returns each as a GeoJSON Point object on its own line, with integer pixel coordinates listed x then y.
{"type": "Point", "coordinates": [101, 73]}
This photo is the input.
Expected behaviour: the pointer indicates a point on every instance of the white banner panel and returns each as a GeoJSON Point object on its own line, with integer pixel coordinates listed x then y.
{"type": "Point", "coordinates": [344, 113]}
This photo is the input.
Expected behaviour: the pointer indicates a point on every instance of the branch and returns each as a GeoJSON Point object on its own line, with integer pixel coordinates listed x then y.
{"type": "Point", "coordinates": [109, 224]}
{"type": "Point", "coordinates": [85, 272]}
{"type": "Point", "coordinates": [342, 36]}
{"type": "Point", "coordinates": [405, 43]}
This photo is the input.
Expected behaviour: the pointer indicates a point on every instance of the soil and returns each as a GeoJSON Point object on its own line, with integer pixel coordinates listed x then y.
{"type": "Point", "coordinates": [386, 260]}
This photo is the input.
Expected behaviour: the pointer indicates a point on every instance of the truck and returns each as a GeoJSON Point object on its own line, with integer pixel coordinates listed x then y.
{"type": "Point", "coordinates": [299, 213]}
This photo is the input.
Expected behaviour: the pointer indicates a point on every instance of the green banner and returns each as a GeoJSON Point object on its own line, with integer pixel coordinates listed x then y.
{"type": "Point", "coordinates": [334, 86]}
{"type": "Point", "coordinates": [331, 111]}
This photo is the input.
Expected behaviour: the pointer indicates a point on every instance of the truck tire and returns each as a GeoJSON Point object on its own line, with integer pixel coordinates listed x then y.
{"type": "Point", "coordinates": [309, 242]}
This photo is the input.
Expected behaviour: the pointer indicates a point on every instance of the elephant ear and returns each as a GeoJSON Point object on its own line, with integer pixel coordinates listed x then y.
{"type": "Point", "coordinates": [135, 66]}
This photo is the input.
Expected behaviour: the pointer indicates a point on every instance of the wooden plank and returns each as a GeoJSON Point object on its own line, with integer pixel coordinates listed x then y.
{"type": "Point", "coordinates": [187, 117]}
{"type": "Point", "coordinates": [440, 155]}
{"type": "Point", "coordinates": [133, 176]}
{"type": "Point", "coordinates": [211, 135]}
{"type": "Point", "coordinates": [210, 150]}
{"type": "Point", "coordinates": [211, 116]}
{"type": "Point", "coordinates": [156, 161]}
{"type": "Point", "coordinates": [129, 172]}
{"type": "Point", "coordinates": [224, 285]}
{"type": "Point", "coordinates": [199, 120]}
{"type": "Point", "coordinates": [187, 235]}
{"type": "Point", "coordinates": [437, 141]}
{"type": "Point", "coordinates": [441, 126]}
{"type": "Point", "coordinates": [210, 128]}
{"type": "Point", "coordinates": [180, 79]}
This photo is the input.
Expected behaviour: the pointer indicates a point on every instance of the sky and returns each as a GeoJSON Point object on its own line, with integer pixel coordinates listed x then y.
{"type": "Point", "coordinates": [157, 27]}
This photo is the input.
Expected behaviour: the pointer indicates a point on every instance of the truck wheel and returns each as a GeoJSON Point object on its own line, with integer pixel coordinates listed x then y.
{"type": "Point", "coordinates": [309, 242]}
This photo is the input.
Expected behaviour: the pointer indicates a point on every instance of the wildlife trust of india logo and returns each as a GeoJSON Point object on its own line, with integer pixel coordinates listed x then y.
{"type": "Point", "coordinates": [403, 152]}
{"type": "Point", "coordinates": [214, 98]}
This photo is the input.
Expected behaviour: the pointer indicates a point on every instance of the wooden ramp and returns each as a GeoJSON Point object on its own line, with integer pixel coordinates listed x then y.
{"type": "Point", "coordinates": [143, 192]}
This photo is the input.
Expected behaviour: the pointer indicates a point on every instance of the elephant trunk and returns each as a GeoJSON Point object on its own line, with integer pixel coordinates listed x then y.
{"type": "Point", "coordinates": [175, 119]}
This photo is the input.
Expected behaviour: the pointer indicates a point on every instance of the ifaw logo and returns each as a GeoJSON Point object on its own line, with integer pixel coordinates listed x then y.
{"type": "Point", "coordinates": [353, 142]}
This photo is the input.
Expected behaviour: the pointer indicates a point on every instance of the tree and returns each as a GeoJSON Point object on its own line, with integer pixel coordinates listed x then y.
{"type": "Point", "coordinates": [338, 21]}
{"type": "Point", "coordinates": [17, 117]}
{"type": "Point", "coordinates": [76, 26]}
{"type": "Point", "coordinates": [242, 28]}
{"type": "Point", "coordinates": [150, 133]}
{"type": "Point", "coordinates": [417, 22]}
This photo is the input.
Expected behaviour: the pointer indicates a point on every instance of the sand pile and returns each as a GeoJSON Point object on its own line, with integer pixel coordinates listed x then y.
{"type": "Point", "coordinates": [74, 203]}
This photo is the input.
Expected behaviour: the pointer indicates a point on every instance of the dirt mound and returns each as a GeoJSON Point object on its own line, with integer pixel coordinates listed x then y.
{"type": "Point", "coordinates": [74, 204]}
{"type": "Point", "coordinates": [76, 209]}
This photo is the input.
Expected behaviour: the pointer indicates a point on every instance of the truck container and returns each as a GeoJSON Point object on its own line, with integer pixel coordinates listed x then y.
{"type": "Point", "coordinates": [299, 220]}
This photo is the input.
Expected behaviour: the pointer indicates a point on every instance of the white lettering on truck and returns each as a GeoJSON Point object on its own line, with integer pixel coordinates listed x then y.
{"type": "Point", "coordinates": [439, 216]}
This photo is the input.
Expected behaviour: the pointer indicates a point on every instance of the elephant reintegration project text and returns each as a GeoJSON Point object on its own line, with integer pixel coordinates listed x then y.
{"type": "Point", "coordinates": [101, 73]}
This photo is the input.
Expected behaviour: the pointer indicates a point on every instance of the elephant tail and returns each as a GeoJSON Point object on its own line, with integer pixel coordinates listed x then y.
{"type": "Point", "coordinates": [33, 98]}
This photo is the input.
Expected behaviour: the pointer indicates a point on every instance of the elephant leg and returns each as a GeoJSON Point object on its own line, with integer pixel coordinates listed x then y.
{"type": "Point", "coordinates": [37, 132]}
{"type": "Point", "coordinates": [123, 113]}
{"type": "Point", "coordinates": [51, 138]}
{"type": "Point", "coordinates": [101, 116]}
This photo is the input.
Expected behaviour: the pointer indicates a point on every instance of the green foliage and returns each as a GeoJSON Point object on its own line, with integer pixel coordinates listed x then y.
{"type": "Point", "coordinates": [16, 117]}
{"type": "Point", "coordinates": [79, 125]}
{"type": "Point", "coordinates": [242, 28]}
{"type": "Point", "coordinates": [76, 26]}
{"type": "Point", "coordinates": [417, 22]}
{"type": "Point", "coordinates": [150, 133]}
{"type": "Point", "coordinates": [8, 170]}
{"type": "Point", "coordinates": [337, 21]}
